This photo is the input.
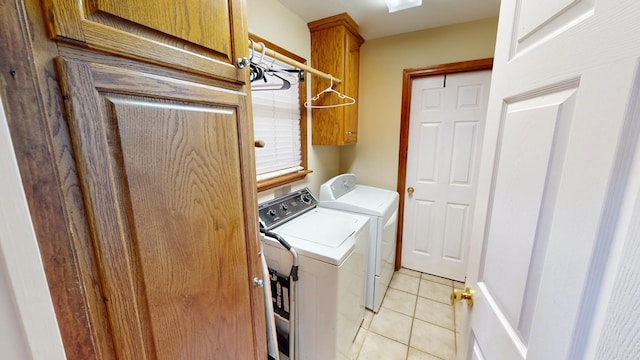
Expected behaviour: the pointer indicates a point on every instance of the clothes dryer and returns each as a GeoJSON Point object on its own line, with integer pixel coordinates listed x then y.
{"type": "Point", "coordinates": [381, 206]}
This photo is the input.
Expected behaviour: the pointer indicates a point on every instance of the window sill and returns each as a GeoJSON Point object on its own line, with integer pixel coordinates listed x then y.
{"type": "Point", "coordinates": [282, 180]}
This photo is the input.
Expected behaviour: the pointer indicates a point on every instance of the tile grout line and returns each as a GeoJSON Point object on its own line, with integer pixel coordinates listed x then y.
{"type": "Point", "coordinates": [424, 297]}
{"type": "Point", "coordinates": [413, 313]}
{"type": "Point", "coordinates": [413, 319]}
{"type": "Point", "coordinates": [415, 306]}
{"type": "Point", "coordinates": [438, 325]}
{"type": "Point", "coordinates": [387, 337]}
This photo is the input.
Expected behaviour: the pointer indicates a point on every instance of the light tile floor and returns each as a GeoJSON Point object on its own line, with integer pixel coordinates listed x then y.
{"type": "Point", "coordinates": [415, 321]}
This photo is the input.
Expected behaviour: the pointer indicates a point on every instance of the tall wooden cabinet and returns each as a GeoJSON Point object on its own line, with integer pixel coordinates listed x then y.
{"type": "Point", "coordinates": [139, 132]}
{"type": "Point", "coordinates": [335, 49]}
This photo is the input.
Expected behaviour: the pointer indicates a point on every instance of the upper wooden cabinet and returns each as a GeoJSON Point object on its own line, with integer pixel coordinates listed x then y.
{"type": "Point", "coordinates": [335, 49]}
{"type": "Point", "coordinates": [198, 36]}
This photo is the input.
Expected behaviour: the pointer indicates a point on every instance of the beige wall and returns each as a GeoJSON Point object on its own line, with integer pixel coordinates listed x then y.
{"type": "Point", "coordinates": [272, 21]}
{"type": "Point", "coordinates": [375, 158]}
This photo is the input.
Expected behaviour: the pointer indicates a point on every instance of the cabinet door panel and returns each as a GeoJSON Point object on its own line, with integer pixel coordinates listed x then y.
{"type": "Point", "coordinates": [328, 55]}
{"type": "Point", "coordinates": [162, 168]}
{"type": "Point", "coordinates": [187, 20]}
{"type": "Point", "coordinates": [199, 36]}
{"type": "Point", "coordinates": [335, 49]}
{"type": "Point", "coordinates": [352, 76]}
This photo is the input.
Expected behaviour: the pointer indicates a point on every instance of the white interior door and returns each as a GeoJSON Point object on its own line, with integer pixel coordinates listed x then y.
{"type": "Point", "coordinates": [446, 122]}
{"type": "Point", "coordinates": [560, 140]}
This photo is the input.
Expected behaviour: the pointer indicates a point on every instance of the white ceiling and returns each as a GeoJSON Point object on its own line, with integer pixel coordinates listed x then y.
{"type": "Point", "coordinates": [375, 21]}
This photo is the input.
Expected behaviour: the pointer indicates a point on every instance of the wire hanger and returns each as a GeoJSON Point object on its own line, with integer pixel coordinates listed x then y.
{"type": "Point", "coordinates": [308, 104]}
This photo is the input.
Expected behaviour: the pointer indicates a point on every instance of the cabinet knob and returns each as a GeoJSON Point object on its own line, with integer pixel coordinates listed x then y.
{"type": "Point", "coordinates": [258, 282]}
{"type": "Point", "coordinates": [348, 133]}
{"type": "Point", "coordinates": [243, 62]}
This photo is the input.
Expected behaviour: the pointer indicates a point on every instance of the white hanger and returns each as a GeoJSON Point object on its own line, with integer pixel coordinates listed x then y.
{"type": "Point", "coordinates": [269, 69]}
{"type": "Point", "coordinates": [308, 104]}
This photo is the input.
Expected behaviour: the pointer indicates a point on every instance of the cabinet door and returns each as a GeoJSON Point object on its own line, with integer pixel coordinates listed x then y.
{"type": "Point", "coordinates": [327, 55]}
{"type": "Point", "coordinates": [335, 49]}
{"type": "Point", "coordinates": [194, 35]}
{"type": "Point", "coordinates": [351, 79]}
{"type": "Point", "coordinates": [163, 166]}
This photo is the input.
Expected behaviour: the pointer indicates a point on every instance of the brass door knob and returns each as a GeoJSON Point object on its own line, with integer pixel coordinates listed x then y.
{"type": "Point", "coordinates": [458, 295]}
{"type": "Point", "coordinates": [410, 190]}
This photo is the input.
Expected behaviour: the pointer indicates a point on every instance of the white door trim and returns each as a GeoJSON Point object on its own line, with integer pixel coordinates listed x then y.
{"type": "Point", "coordinates": [34, 325]}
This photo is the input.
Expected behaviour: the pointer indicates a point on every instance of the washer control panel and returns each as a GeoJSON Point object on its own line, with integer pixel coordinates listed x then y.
{"type": "Point", "coordinates": [277, 211]}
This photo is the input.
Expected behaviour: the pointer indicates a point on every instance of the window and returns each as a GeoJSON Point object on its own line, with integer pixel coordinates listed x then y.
{"type": "Point", "coordinates": [279, 120]}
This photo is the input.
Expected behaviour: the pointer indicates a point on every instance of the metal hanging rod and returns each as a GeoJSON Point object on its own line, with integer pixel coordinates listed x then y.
{"type": "Point", "coordinates": [259, 47]}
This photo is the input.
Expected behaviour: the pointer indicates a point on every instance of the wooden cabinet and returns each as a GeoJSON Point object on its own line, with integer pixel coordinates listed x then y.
{"type": "Point", "coordinates": [162, 176]}
{"type": "Point", "coordinates": [140, 174]}
{"type": "Point", "coordinates": [335, 49]}
{"type": "Point", "coordinates": [194, 35]}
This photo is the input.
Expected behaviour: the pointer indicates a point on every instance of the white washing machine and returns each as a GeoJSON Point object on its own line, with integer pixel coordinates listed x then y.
{"type": "Point", "coordinates": [332, 252]}
{"type": "Point", "coordinates": [343, 193]}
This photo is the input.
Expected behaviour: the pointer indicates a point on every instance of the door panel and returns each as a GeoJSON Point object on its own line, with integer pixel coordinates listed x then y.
{"type": "Point", "coordinates": [555, 165]}
{"type": "Point", "coordinates": [543, 20]}
{"type": "Point", "coordinates": [527, 174]}
{"type": "Point", "coordinates": [200, 36]}
{"type": "Point", "coordinates": [427, 163]}
{"type": "Point", "coordinates": [504, 344]}
{"type": "Point", "coordinates": [464, 144]}
{"type": "Point", "coordinates": [191, 18]}
{"type": "Point", "coordinates": [175, 174]}
{"type": "Point", "coordinates": [536, 16]}
{"type": "Point", "coordinates": [447, 113]}
{"type": "Point", "coordinates": [454, 235]}
{"type": "Point", "coordinates": [162, 177]}
{"type": "Point", "coordinates": [423, 218]}
{"type": "Point", "coordinates": [475, 352]}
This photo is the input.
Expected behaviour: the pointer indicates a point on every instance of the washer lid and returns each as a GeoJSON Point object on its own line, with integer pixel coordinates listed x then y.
{"type": "Point", "coordinates": [326, 235]}
{"type": "Point", "coordinates": [325, 228]}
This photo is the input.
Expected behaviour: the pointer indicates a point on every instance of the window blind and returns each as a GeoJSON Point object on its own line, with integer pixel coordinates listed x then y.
{"type": "Point", "coordinates": [276, 121]}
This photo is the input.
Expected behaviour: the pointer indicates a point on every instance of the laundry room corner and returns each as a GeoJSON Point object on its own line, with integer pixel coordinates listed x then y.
{"type": "Point", "coordinates": [382, 61]}
{"type": "Point", "coordinates": [270, 20]}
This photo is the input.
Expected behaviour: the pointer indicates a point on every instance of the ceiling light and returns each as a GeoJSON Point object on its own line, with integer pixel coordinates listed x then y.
{"type": "Point", "coordinates": [397, 5]}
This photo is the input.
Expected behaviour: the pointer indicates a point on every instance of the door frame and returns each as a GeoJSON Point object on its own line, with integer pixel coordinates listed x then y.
{"type": "Point", "coordinates": [408, 75]}
{"type": "Point", "coordinates": [26, 312]}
